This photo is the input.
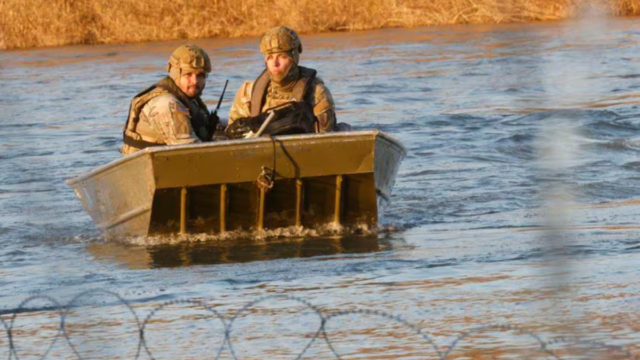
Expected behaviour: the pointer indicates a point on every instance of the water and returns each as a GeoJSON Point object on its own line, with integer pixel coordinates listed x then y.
{"type": "Point", "coordinates": [516, 204]}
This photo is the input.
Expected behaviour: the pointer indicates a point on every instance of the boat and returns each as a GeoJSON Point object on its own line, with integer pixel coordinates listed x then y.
{"type": "Point", "coordinates": [308, 180]}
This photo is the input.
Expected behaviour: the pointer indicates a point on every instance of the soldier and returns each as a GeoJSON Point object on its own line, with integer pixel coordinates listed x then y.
{"type": "Point", "coordinates": [171, 112]}
{"type": "Point", "coordinates": [284, 81]}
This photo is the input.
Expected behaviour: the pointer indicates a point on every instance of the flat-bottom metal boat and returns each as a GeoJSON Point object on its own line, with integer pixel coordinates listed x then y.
{"type": "Point", "coordinates": [262, 183]}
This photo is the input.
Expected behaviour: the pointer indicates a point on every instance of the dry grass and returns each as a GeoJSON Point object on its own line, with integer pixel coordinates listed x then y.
{"type": "Point", "coordinates": [35, 23]}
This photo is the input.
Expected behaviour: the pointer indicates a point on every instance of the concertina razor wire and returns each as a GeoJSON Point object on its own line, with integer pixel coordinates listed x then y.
{"type": "Point", "coordinates": [429, 347]}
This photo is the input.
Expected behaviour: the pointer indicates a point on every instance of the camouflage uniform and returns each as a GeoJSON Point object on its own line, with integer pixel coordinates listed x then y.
{"type": "Point", "coordinates": [276, 40]}
{"type": "Point", "coordinates": [323, 105]}
{"type": "Point", "coordinates": [164, 115]}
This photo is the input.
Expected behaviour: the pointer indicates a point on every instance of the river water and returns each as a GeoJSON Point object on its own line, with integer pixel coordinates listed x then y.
{"type": "Point", "coordinates": [513, 221]}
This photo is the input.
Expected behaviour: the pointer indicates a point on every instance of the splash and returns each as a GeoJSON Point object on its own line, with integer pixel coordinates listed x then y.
{"type": "Point", "coordinates": [292, 233]}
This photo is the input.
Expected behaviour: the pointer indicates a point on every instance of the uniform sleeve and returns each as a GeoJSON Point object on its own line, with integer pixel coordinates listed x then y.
{"type": "Point", "coordinates": [241, 107]}
{"type": "Point", "coordinates": [170, 118]}
{"type": "Point", "coordinates": [324, 108]}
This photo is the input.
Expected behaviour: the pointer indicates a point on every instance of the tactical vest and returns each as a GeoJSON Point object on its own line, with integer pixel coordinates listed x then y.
{"type": "Point", "coordinates": [300, 92]}
{"type": "Point", "coordinates": [199, 115]}
{"type": "Point", "coordinates": [295, 116]}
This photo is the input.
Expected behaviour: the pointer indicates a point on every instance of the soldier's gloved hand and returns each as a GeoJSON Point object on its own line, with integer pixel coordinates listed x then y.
{"type": "Point", "coordinates": [239, 128]}
{"type": "Point", "coordinates": [219, 134]}
{"type": "Point", "coordinates": [214, 120]}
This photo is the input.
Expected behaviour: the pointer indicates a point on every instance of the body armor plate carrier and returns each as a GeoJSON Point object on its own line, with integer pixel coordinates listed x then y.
{"type": "Point", "coordinates": [294, 117]}
{"type": "Point", "coordinates": [199, 114]}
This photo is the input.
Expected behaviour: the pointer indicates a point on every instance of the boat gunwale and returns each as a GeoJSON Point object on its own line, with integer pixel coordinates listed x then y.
{"type": "Point", "coordinates": [161, 149]}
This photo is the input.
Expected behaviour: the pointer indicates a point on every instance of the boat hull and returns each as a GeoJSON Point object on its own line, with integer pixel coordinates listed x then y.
{"type": "Point", "coordinates": [318, 179]}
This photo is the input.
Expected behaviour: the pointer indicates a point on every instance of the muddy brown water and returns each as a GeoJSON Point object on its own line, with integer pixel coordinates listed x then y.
{"type": "Point", "coordinates": [517, 206]}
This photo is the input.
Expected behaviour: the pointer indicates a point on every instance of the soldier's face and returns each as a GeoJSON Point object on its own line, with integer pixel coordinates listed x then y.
{"type": "Point", "coordinates": [192, 83]}
{"type": "Point", "coordinates": [279, 64]}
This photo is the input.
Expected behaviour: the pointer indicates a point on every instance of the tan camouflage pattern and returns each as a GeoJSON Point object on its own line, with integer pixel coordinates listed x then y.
{"type": "Point", "coordinates": [323, 105]}
{"type": "Point", "coordinates": [187, 59]}
{"type": "Point", "coordinates": [280, 39]}
{"type": "Point", "coordinates": [166, 120]}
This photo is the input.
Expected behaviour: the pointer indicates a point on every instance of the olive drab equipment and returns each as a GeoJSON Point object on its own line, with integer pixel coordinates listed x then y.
{"type": "Point", "coordinates": [289, 118]}
{"type": "Point", "coordinates": [293, 117]}
{"type": "Point", "coordinates": [198, 112]}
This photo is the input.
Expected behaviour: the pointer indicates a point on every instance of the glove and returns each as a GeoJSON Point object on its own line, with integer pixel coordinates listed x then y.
{"type": "Point", "coordinates": [239, 128]}
{"type": "Point", "coordinates": [213, 121]}
{"type": "Point", "coordinates": [219, 134]}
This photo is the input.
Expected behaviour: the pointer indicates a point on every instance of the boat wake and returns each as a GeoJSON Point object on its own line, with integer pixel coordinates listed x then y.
{"type": "Point", "coordinates": [291, 233]}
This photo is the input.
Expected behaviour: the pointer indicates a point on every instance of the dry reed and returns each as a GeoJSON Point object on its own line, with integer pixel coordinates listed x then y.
{"type": "Point", "coordinates": [36, 23]}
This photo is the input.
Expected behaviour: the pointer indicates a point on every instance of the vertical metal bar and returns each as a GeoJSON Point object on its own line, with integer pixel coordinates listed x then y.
{"type": "Point", "coordinates": [261, 209]}
{"type": "Point", "coordinates": [223, 208]}
{"type": "Point", "coordinates": [299, 195]}
{"type": "Point", "coordinates": [338, 204]}
{"type": "Point", "coordinates": [183, 210]}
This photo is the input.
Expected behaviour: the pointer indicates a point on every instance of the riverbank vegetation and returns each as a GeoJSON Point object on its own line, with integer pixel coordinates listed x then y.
{"type": "Point", "coordinates": [37, 23]}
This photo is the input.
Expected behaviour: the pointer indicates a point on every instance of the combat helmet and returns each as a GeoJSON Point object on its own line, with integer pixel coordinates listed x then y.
{"type": "Point", "coordinates": [281, 39]}
{"type": "Point", "coordinates": [188, 58]}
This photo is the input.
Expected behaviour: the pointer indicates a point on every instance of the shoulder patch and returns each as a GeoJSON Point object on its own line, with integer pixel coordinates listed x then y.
{"type": "Point", "coordinates": [179, 109]}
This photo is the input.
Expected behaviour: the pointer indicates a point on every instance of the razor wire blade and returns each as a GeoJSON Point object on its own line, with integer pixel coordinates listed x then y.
{"type": "Point", "coordinates": [427, 345]}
